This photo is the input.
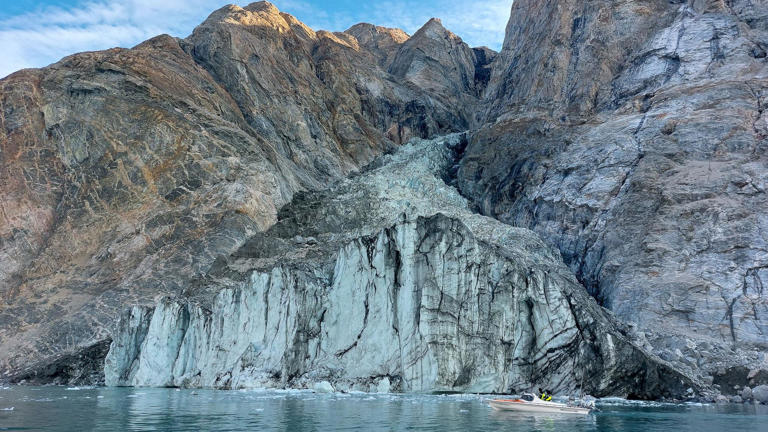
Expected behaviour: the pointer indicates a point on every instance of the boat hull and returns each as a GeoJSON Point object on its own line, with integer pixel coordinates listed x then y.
{"type": "Point", "coordinates": [528, 407]}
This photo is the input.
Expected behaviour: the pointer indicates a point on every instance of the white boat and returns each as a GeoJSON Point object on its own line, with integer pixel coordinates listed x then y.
{"type": "Point", "coordinates": [531, 404]}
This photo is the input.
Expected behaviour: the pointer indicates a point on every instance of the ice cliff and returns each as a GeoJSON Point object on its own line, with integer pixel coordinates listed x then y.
{"type": "Point", "coordinates": [393, 285]}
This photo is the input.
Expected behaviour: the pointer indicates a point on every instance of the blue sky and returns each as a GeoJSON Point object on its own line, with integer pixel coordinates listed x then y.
{"type": "Point", "coordinates": [37, 33]}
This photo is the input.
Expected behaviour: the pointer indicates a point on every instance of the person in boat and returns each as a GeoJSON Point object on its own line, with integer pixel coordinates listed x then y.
{"type": "Point", "coordinates": [545, 396]}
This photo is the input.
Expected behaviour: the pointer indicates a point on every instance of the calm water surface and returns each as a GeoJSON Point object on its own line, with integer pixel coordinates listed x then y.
{"type": "Point", "coordinates": [116, 409]}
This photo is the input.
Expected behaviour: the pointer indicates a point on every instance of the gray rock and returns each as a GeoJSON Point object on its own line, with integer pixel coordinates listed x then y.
{"type": "Point", "coordinates": [736, 399]}
{"type": "Point", "coordinates": [760, 394]}
{"type": "Point", "coordinates": [746, 393]}
{"type": "Point", "coordinates": [643, 161]}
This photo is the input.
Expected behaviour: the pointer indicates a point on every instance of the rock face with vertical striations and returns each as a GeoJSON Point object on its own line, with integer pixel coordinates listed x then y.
{"type": "Point", "coordinates": [631, 135]}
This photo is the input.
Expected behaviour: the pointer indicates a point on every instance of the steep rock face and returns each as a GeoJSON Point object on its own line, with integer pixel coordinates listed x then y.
{"type": "Point", "coordinates": [114, 164]}
{"type": "Point", "coordinates": [440, 300]}
{"type": "Point", "coordinates": [125, 173]}
{"type": "Point", "coordinates": [560, 56]}
{"type": "Point", "coordinates": [436, 59]}
{"type": "Point", "coordinates": [638, 149]}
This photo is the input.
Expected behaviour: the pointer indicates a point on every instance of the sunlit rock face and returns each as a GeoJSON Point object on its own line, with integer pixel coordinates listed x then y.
{"type": "Point", "coordinates": [125, 173]}
{"type": "Point", "coordinates": [631, 135]}
{"type": "Point", "coordinates": [383, 42]}
{"type": "Point", "coordinates": [392, 283]}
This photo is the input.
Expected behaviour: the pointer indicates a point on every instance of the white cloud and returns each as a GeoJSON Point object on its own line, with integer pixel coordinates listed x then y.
{"type": "Point", "coordinates": [41, 37]}
{"type": "Point", "coordinates": [44, 36]}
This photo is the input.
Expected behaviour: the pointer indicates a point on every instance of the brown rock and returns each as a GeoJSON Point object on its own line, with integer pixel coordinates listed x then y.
{"type": "Point", "coordinates": [382, 42]}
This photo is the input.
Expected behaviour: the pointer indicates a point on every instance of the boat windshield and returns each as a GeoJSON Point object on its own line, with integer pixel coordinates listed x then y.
{"type": "Point", "coordinates": [527, 397]}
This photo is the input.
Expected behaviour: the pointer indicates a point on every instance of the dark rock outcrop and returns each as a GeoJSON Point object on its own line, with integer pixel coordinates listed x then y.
{"type": "Point", "coordinates": [83, 367]}
{"type": "Point", "coordinates": [484, 58]}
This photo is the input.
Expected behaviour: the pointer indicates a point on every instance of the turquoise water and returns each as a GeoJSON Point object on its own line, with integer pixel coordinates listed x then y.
{"type": "Point", "coordinates": [118, 409]}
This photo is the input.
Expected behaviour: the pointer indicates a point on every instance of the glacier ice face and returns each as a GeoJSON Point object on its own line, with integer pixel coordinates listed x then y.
{"type": "Point", "coordinates": [406, 292]}
{"type": "Point", "coordinates": [424, 304]}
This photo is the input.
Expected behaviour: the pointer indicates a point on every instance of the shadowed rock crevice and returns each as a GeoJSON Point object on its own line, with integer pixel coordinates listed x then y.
{"type": "Point", "coordinates": [86, 367]}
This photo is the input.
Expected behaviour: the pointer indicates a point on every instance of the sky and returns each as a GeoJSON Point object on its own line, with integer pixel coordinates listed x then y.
{"type": "Point", "coordinates": [38, 33]}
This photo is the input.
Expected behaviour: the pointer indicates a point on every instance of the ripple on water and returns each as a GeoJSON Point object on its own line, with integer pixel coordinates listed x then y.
{"type": "Point", "coordinates": [193, 410]}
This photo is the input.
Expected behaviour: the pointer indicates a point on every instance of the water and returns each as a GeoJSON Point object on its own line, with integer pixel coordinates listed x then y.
{"type": "Point", "coordinates": [118, 409]}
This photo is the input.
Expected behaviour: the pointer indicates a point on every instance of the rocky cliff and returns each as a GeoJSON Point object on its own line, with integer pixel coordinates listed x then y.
{"type": "Point", "coordinates": [631, 135]}
{"type": "Point", "coordinates": [208, 190]}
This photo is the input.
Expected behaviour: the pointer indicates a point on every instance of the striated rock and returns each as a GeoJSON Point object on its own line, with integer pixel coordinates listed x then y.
{"type": "Point", "coordinates": [405, 289]}
{"type": "Point", "coordinates": [560, 56]}
{"type": "Point", "coordinates": [125, 173]}
{"type": "Point", "coordinates": [630, 135]}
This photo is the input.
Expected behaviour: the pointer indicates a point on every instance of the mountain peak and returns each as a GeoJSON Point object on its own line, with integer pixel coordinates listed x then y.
{"type": "Point", "coordinates": [369, 31]}
{"type": "Point", "coordinates": [382, 42]}
{"type": "Point", "coordinates": [433, 42]}
{"type": "Point", "coordinates": [262, 6]}
{"type": "Point", "coordinates": [434, 29]}
{"type": "Point", "coordinates": [256, 15]}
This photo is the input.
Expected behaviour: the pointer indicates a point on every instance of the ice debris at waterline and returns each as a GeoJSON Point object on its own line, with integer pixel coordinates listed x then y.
{"type": "Point", "coordinates": [388, 282]}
